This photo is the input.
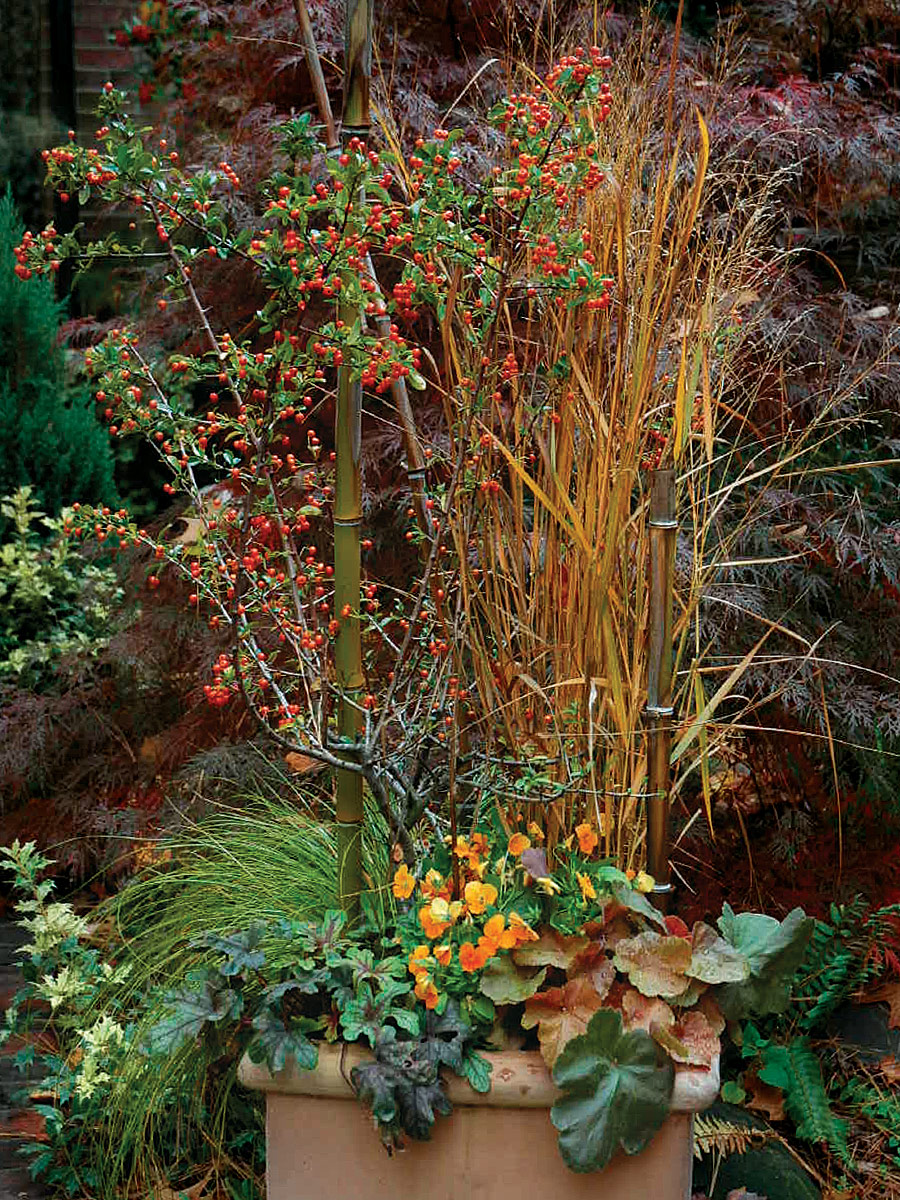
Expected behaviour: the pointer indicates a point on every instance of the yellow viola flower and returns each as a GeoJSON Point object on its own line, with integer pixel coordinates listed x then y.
{"type": "Point", "coordinates": [426, 991]}
{"type": "Point", "coordinates": [479, 896]}
{"type": "Point", "coordinates": [644, 882]}
{"type": "Point", "coordinates": [404, 883]}
{"type": "Point", "coordinates": [432, 926]}
{"type": "Point", "coordinates": [521, 929]}
{"type": "Point", "coordinates": [478, 844]}
{"type": "Point", "coordinates": [418, 960]}
{"type": "Point", "coordinates": [517, 843]}
{"type": "Point", "coordinates": [548, 885]}
{"type": "Point", "coordinates": [588, 891]}
{"type": "Point", "coordinates": [433, 885]}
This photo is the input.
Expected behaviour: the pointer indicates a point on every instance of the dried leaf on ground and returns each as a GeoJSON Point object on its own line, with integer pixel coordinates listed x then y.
{"type": "Point", "coordinates": [764, 1098]}
{"type": "Point", "coordinates": [888, 993]}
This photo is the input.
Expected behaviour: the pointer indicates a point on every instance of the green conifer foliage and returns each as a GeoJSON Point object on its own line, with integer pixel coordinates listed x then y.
{"type": "Point", "coordinates": [51, 438]}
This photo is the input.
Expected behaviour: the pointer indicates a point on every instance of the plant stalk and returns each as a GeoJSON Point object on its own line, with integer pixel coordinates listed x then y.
{"type": "Point", "coordinates": [348, 501]}
{"type": "Point", "coordinates": [663, 534]}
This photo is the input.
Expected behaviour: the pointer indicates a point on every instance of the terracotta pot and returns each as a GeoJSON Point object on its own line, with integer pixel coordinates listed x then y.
{"type": "Point", "coordinates": [321, 1145]}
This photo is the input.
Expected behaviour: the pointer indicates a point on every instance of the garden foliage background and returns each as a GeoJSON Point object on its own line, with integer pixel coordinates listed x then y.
{"type": "Point", "coordinates": [107, 738]}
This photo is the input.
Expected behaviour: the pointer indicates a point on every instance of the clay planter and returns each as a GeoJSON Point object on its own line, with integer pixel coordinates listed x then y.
{"type": "Point", "coordinates": [321, 1145]}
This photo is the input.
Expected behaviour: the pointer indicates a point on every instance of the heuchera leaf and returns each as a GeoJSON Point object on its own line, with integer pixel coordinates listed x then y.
{"type": "Point", "coordinates": [774, 950]}
{"type": "Point", "coordinates": [655, 964]}
{"type": "Point", "coordinates": [698, 1042]}
{"type": "Point", "coordinates": [552, 949]}
{"type": "Point", "coordinates": [505, 983]}
{"type": "Point", "coordinates": [617, 1087]}
{"type": "Point", "coordinates": [561, 1014]}
{"type": "Point", "coordinates": [241, 950]}
{"type": "Point", "coordinates": [274, 1041]}
{"type": "Point", "coordinates": [644, 1012]}
{"type": "Point", "coordinates": [713, 960]}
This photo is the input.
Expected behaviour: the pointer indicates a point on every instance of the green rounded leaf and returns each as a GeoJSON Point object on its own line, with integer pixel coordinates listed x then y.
{"type": "Point", "coordinates": [505, 983]}
{"type": "Point", "coordinates": [774, 950]}
{"type": "Point", "coordinates": [617, 1087]}
{"type": "Point", "coordinates": [713, 960]}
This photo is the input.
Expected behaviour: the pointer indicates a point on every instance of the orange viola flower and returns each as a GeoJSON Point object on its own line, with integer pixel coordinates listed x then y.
{"type": "Point", "coordinates": [472, 958]}
{"type": "Point", "coordinates": [426, 991]}
{"type": "Point", "coordinates": [434, 885]}
{"type": "Point", "coordinates": [535, 832]}
{"type": "Point", "coordinates": [479, 896]}
{"type": "Point", "coordinates": [487, 948]}
{"type": "Point", "coordinates": [522, 930]}
{"type": "Point", "coordinates": [404, 883]}
{"type": "Point", "coordinates": [518, 843]}
{"type": "Point", "coordinates": [432, 926]}
{"type": "Point", "coordinates": [588, 891]}
{"type": "Point", "coordinates": [478, 844]}
{"type": "Point", "coordinates": [587, 839]}
{"type": "Point", "coordinates": [418, 960]}
{"type": "Point", "coordinates": [498, 935]}
{"type": "Point", "coordinates": [443, 954]}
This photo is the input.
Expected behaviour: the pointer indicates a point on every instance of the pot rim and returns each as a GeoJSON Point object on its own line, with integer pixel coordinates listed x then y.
{"type": "Point", "coordinates": [519, 1079]}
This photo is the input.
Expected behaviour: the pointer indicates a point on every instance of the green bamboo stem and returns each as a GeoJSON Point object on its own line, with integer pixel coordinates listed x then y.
{"type": "Point", "coordinates": [349, 676]}
{"type": "Point", "coordinates": [415, 457]}
{"type": "Point", "coordinates": [663, 533]}
{"type": "Point", "coordinates": [316, 74]}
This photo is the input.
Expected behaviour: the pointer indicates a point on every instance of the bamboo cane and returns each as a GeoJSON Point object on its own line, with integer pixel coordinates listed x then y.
{"type": "Point", "coordinates": [415, 458]}
{"type": "Point", "coordinates": [316, 74]}
{"type": "Point", "coordinates": [663, 532]}
{"type": "Point", "coordinates": [348, 500]}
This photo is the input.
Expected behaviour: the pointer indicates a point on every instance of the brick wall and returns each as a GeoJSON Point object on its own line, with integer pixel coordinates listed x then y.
{"type": "Point", "coordinates": [96, 58]}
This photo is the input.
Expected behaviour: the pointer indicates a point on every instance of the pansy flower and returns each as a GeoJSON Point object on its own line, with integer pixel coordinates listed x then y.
{"type": "Point", "coordinates": [522, 930]}
{"type": "Point", "coordinates": [517, 843]}
{"type": "Point", "coordinates": [588, 891]}
{"type": "Point", "coordinates": [433, 926]}
{"type": "Point", "coordinates": [433, 885]}
{"type": "Point", "coordinates": [472, 958]}
{"type": "Point", "coordinates": [498, 935]}
{"type": "Point", "coordinates": [444, 910]}
{"type": "Point", "coordinates": [426, 991]}
{"type": "Point", "coordinates": [479, 896]}
{"type": "Point", "coordinates": [419, 961]}
{"type": "Point", "coordinates": [587, 838]}
{"type": "Point", "coordinates": [404, 883]}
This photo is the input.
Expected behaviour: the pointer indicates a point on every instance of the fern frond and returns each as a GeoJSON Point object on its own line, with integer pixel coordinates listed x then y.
{"type": "Point", "coordinates": [713, 1135]}
{"type": "Point", "coordinates": [841, 959]}
{"type": "Point", "coordinates": [796, 1070]}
